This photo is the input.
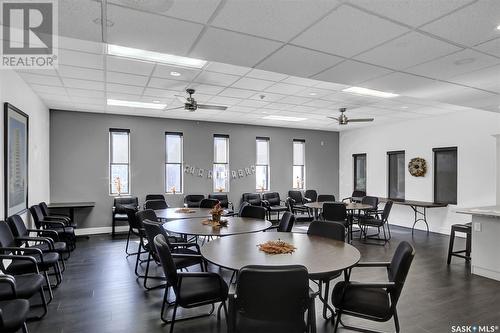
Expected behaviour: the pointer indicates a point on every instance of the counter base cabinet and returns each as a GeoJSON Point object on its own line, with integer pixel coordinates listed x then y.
{"type": "Point", "coordinates": [485, 254]}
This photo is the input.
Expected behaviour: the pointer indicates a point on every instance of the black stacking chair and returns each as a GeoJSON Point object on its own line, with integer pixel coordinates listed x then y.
{"type": "Point", "coordinates": [311, 195]}
{"type": "Point", "coordinates": [193, 257]}
{"type": "Point", "coordinates": [298, 218]}
{"type": "Point", "coordinates": [224, 201]}
{"type": "Point", "coordinates": [255, 212]}
{"type": "Point", "coordinates": [155, 204]}
{"type": "Point", "coordinates": [375, 301]}
{"type": "Point", "coordinates": [55, 217]}
{"type": "Point", "coordinates": [135, 228]}
{"type": "Point", "coordinates": [192, 289]}
{"type": "Point", "coordinates": [273, 204]}
{"type": "Point", "coordinates": [43, 261]}
{"type": "Point", "coordinates": [242, 205]}
{"type": "Point", "coordinates": [208, 203]}
{"type": "Point", "coordinates": [193, 200]}
{"type": "Point", "coordinates": [332, 230]}
{"type": "Point", "coordinates": [298, 202]}
{"type": "Point", "coordinates": [118, 210]}
{"type": "Point", "coordinates": [377, 222]}
{"type": "Point", "coordinates": [65, 233]}
{"type": "Point", "coordinates": [333, 211]}
{"type": "Point", "coordinates": [25, 286]}
{"type": "Point", "coordinates": [149, 214]}
{"type": "Point", "coordinates": [326, 197]}
{"type": "Point", "coordinates": [253, 199]}
{"type": "Point", "coordinates": [13, 311]}
{"type": "Point", "coordinates": [155, 197]}
{"type": "Point", "coordinates": [286, 222]}
{"type": "Point", "coordinates": [272, 299]}
{"type": "Point", "coordinates": [356, 196]}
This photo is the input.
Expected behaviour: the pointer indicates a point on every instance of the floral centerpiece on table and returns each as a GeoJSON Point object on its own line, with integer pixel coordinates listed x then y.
{"type": "Point", "coordinates": [217, 212]}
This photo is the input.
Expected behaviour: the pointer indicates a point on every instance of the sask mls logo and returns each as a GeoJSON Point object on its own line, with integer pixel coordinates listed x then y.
{"type": "Point", "coordinates": [29, 34]}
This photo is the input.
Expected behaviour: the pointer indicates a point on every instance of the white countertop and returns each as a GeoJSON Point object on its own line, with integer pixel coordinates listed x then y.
{"type": "Point", "coordinates": [493, 211]}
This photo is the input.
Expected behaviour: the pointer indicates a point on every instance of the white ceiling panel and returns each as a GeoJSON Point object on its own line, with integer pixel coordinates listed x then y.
{"type": "Point", "coordinates": [81, 73]}
{"type": "Point", "coordinates": [41, 79]}
{"type": "Point", "coordinates": [253, 84]}
{"type": "Point", "coordinates": [164, 71]}
{"type": "Point", "coordinates": [216, 78]}
{"type": "Point", "coordinates": [121, 88]}
{"type": "Point", "coordinates": [268, 97]}
{"type": "Point", "coordinates": [230, 47]}
{"type": "Point", "coordinates": [42, 89]}
{"type": "Point", "coordinates": [83, 84]}
{"type": "Point", "coordinates": [313, 92]}
{"type": "Point", "coordinates": [318, 103]}
{"type": "Point", "coordinates": [206, 88]}
{"type": "Point", "coordinates": [411, 12]}
{"type": "Point", "coordinates": [348, 31]}
{"type": "Point", "coordinates": [76, 19]}
{"type": "Point", "coordinates": [397, 82]}
{"type": "Point", "coordinates": [266, 75]}
{"type": "Point", "coordinates": [250, 103]}
{"type": "Point", "coordinates": [81, 59]}
{"type": "Point", "coordinates": [49, 72]}
{"type": "Point", "coordinates": [454, 64]}
{"type": "Point", "coordinates": [150, 31]}
{"type": "Point", "coordinates": [331, 86]}
{"type": "Point", "coordinates": [124, 65]}
{"type": "Point", "coordinates": [160, 93]}
{"type": "Point", "coordinates": [271, 19]}
{"type": "Point", "coordinates": [284, 88]}
{"type": "Point", "coordinates": [237, 93]}
{"type": "Point", "coordinates": [297, 100]}
{"type": "Point", "coordinates": [351, 72]}
{"type": "Point", "coordinates": [220, 67]}
{"type": "Point", "coordinates": [469, 26]}
{"type": "Point", "coordinates": [228, 101]}
{"type": "Point", "coordinates": [298, 61]}
{"type": "Point", "coordinates": [167, 84]}
{"type": "Point", "coordinates": [124, 78]}
{"type": "Point", "coordinates": [486, 79]}
{"type": "Point", "coordinates": [408, 50]}
{"type": "Point", "coordinates": [85, 93]}
{"type": "Point", "coordinates": [300, 81]}
{"type": "Point", "coordinates": [74, 44]}
{"type": "Point", "coordinates": [492, 47]}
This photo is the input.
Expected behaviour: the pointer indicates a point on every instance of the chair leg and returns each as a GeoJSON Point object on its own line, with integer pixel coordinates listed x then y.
{"type": "Point", "coordinates": [337, 322]}
{"type": "Point", "coordinates": [468, 246]}
{"type": "Point", "coordinates": [128, 241]}
{"type": "Point", "coordinates": [396, 321]}
{"type": "Point", "coordinates": [24, 328]}
{"type": "Point", "coordinates": [173, 318]}
{"type": "Point", "coordinates": [137, 259]}
{"type": "Point", "coordinates": [450, 247]}
{"type": "Point", "coordinates": [49, 287]}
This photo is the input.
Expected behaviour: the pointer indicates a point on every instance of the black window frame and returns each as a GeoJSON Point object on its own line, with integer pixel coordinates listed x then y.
{"type": "Point", "coordinates": [389, 153]}
{"type": "Point", "coordinates": [444, 149]}
{"type": "Point", "coordinates": [355, 169]}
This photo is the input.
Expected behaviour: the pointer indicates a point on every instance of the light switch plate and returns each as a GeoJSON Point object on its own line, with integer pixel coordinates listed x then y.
{"type": "Point", "coordinates": [477, 226]}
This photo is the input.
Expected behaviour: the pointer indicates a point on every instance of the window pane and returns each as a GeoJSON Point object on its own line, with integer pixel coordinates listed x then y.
{"type": "Point", "coordinates": [360, 173]}
{"type": "Point", "coordinates": [119, 179]}
{"type": "Point", "coordinates": [445, 176]}
{"type": "Point", "coordinates": [174, 148]}
{"type": "Point", "coordinates": [173, 177]}
{"type": "Point", "coordinates": [220, 150]}
{"type": "Point", "coordinates": [221, 177]}
{"type": "Point", "coordinates": [262, 152]}
{"type": "Point", "coordinates": [119, 150]}
{"type": "Point", "coordinates": [298, 176]}
{"type": "Point", "coordinates": [261, 177]}
{"type": "Point", "coordinates": [298, 153]}
{"type": "Point", "coordinates": [397, 176]}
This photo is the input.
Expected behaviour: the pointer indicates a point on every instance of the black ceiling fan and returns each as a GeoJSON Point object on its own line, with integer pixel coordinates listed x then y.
{"type": "Point", "coordinates": [191, 105]}
{"type": "Point", "coordinates": [343, 120]}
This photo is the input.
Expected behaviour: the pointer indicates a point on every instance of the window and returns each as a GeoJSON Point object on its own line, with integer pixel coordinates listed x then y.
{"type": "Point", "coordinates": [445, 175]}
{"type": "Point", "coordinates": [299, 172]}
{"type": "Point", "coordinates": [396, 174]}
{"type": "Point", "coordinates": [119, 161]}
{"type": "Point", "coordinates": [221, 163]}
{"type": "Point", "coordinates": [173, 162]}
{"type": "Point", "coordinates": [359, 172]}
{"type": "Point", "coordinates": [262, 164]}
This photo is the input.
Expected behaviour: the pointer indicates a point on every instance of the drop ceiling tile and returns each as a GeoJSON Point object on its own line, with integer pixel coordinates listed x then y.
{"type": "Point", "coordinates": [129, 79]}
{"type": "Point", "coordinates": [46, 80]}
{"type": "Point", "coordinates": [351, 72]}
{"type": "Point", "coordinates": [471, 25]}
{"type": "Point", "coordinates": [319, 103]}
{"type": "Point", "coordinates": [268, 97]}
{"type": "Point", "coordinates": [331, 86]}
{"type": "Point", "coordinates": [206, 88]}
{"type": "Point", "coordinates": [167, 84]}
{"type": "Point", "coordinates": [121, 88]}
{"type": "Point", "coordinates": [81, 59]}
{"type": "Point", "coordinates": [164, 71]}
{"type": "Point", "coordinates": [486, 79]}
{"type": "Point", "coordinates": [48, 89]}
{"type": "Point", "coordinates": [279, 106]}
{"type": "Point", "coordinates": [283, 88]}
{"type": "Point", "coordinates": [348, 31]}
{"type": "Point", "coordinates": [454, 64]}
{"type": "Point", "coordinates": [297, 100]}
{"type": "Point", "coordinates": [303, 109]}
{"type": "Point", "coordinates": [252, 103]}
{"type": "Point", "coordinates": [149, 31]}
{"type": "Point", "coordinates": [192, 10]}
{"type": "Point", "coordinates": [88, 46]}
{"type": "Point", "coordinates": [492, 47]}
{"type": "Point", "coordinates": [220, 100]}
{"type": "Point", "coordinates": [86, 100]}
{"type": "Point", "coordinates": [271, 19]}
{"type": "Point", "coordinates": [241, 109]}
{"type": "Point", "coordinates": [313, 92]}
{"type": "Point", "coordinates": [83, 84]}
{"type": "Point", "coordinates": [448, 93]}
{"type": "Point", "coordinates": [76, 19]}
{"type": "Point", "coordinates": [160, 93]}
{"type": "Point", "coordinates": [85, 93]}
{"type": "Point", "coordinates": [216, 78]}
{"type": "Point", "coordinates": [298, 61]}
{"type": "Point", "coordinates": [125, 97]}
{"type": "Point", "coordinates": [81, 73]}
{"type": "Point", "coordinates": [397, 82]}
{"type": "Point", "coordinates": [124, 65]}
{"type": "Point", "coordinates": [408, 50]}
{"type": "Point", "coordinates": [233, 48]}
{"type": "Point", "coordinates": [238, 93]}
{"type": "Point", "coordinates": [414, 13]}
{"type": "Point", "coordinates": [226, 68]}
{"type": "Point", "coordinates": [253, 84]}
{"type": "Point", "coordinates": [300, 81]}
{"type": "Point", "coordinates": [47, 72]}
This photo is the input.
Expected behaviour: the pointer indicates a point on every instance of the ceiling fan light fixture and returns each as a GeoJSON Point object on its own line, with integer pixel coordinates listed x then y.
{"type": "Point", "coordinates": [369, 92]}
{"type": "Point", "coordinates": [135, 104]}
{"type": "Point", "coordinates": [144, 55]}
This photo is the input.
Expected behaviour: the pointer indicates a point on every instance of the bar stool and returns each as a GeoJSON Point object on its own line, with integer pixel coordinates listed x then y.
{"type": "Point", "coordinates": [466, 229]}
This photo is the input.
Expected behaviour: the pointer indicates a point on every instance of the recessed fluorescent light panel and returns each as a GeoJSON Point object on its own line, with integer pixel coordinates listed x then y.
{"type": "Point", "coordinates": [128, 52]}
{"type": "Point", "coordinates": [283, 118]}
{"type": "Point", "coordinates": [369, 92]}
{"type": "Point", "coordinates": [133, 104]}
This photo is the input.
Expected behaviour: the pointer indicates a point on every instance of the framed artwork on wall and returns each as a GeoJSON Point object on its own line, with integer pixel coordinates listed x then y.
{"type": "Point", "coordinates": [15, 160]}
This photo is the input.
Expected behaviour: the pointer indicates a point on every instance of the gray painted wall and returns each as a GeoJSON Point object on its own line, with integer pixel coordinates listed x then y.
{"type": "Point", "coordinates": [79, 156]}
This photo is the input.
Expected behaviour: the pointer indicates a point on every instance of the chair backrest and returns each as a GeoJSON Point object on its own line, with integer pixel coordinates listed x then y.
{"type": "Point", "coordinates": [286, 222]}
{"type": "Point", "coordinates": [152, 229]}
{"type": "Point", "coordinates": [253, 199]}
{"type": "Point", "coordinates": [44, 208]}
{"type": "Point", "coordinates": [155, 204]}
{"type": "Point", "coordinates": [167, 261]}
{"type": "Point", "coordinates": [6, 236]}
{"type": "Point", "coordinates": [243, 205]}
{"type": "Point", "coordinates": [399, 267]}
{"type": "Point", "coordinates": [326, 197]}
{"type": "Point", "coordinates": [332, 230]}
{"type": "Point", "coordinates": [272, 293]}
{"type": "Point", "coordinates": [256, 212]}
{"type": "Point", "coordinates": [146, 214]}
{"type": "Point", "coordinates": [120, 203]}
{"type": "Point", "coordinates": [369, 200]}
{"type": "Point", "coordinates": [155, 197]}
{"type": "Point", "coordinates": [37, 215]}
{"type": "Point", "coordinates": [133, 222]}
{"type": "Point", "coordinates": [223, 199]}
{"type": "Point", "coordinates": [333, 211]}
{"type": "Point", "coordinates": [17, 226]}
{"type": "Point", "coordinates": [387, 211]}
{"type": "Point", "coordinates": [296, 196]}
{"type": "Point", "coordinates": [208, 203]}
{"type": "Point", "coordinates": [272, 197]}
{"type": "Point", "coordinates": [193, 200]}
{"type": "Point", "coordinates": [311, 194]}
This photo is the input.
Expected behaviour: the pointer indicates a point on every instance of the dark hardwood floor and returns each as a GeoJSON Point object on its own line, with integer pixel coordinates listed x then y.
{"type": "Point", "coordinates": [100, 292]}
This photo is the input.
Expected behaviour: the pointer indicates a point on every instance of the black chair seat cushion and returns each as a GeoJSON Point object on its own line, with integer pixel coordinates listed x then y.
{"type": "Point", "coordinates": [26, 286]}
{"type": "Point", "coordinates": [371, 222]}
{"type": "Point", "coordinates": [247, 325]}
{"type": "Point", "coordinates": [196, 289]}
{"type": "Point", "coordinates": [324, 276]}
{"type": "Point", "coordinates": [121, 217]}
{"type": "Point", "coordinates": [368, 301]}
{"type": "Point", "coordinates": [14, 313]}
{"type": "Point", "coordinates": [277, 208]}
{"type": "Point", "coordinates": [24, 266]}
{"type": "Point", "coordinates": [66, 233]}
{"type": "Point", "coordinates": [58, 247]}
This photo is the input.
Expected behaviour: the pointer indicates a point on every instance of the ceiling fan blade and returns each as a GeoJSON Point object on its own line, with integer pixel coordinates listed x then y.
{"type": "Point", "coordinates": [212, 107]}
{"type": "Point", "coordinates": [360, 120]}
{"type": "Point", "coordinates": [177, 108]}
{"type": "Point", "coordinates": [181, 98]}
{"type": "Point", "coordinates": [337, 119]}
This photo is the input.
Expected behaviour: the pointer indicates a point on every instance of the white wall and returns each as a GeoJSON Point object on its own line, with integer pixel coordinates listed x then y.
{"type": "Point", "coordinates": [471, 131]}
{"type": "Point", "coordinates": [15, 91]}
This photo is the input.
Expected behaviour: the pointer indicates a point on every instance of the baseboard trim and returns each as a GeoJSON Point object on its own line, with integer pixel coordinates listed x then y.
{"type": "Point", "coordinates": [99, 230]}
{"type": "Point", "coordinates": [488, 273]}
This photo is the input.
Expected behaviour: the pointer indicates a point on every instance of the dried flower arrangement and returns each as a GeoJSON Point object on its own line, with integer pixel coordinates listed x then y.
{"type": "Point", "coordinates": [277, 247]}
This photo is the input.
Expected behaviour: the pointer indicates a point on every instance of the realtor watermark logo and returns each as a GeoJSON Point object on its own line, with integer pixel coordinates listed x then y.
{"type": "Point", "coordinates": [474, 328]}
{"type": "Point", "coordinates": [29, 34]}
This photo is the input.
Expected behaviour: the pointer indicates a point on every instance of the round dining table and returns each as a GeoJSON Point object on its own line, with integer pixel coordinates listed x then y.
{"type": "Point", "coordinates": [235, 226]}
{"type": "Point", "coordinates": [319, 255]}
{"type": "Point", "coordinates": [176, 213]}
